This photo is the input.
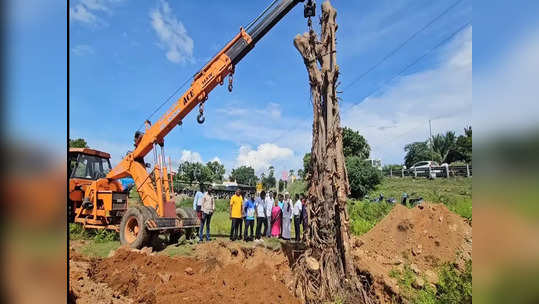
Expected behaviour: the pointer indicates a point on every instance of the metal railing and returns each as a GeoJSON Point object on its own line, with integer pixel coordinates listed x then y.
{"type": "Point", "coordinates": [430, 172]}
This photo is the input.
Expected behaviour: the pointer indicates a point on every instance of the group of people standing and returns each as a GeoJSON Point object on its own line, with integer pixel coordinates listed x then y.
{"type": "Point", "coordinates": [273, 216]}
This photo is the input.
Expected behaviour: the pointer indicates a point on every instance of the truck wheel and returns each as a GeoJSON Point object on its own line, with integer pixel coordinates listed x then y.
{"type": "Point", "coordinates": [132, 229]}
{"type": "Point", "coordinates": [174, 237]}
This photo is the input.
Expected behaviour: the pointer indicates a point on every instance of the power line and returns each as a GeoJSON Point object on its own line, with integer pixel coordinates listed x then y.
{"type": "Point", "coordinates": [453, 34]}
{"type": "Point", "coordinates": [442, 42]}
{"type": "Point", "coordinates": [402, 44]}
{"type": "Point", "coordinates": [165, 102]}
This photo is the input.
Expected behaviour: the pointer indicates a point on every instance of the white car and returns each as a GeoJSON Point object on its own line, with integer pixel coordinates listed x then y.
{"type": "Point", "coordinates": [423, 166]}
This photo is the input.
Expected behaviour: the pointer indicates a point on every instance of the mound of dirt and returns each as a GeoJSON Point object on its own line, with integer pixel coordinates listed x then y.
{"type": "Point", "coordinates": [220, 273]}
{"type": "Point", "coordinates": [83, 289]}
{"type": "Point", "coordinates": [424, 237]}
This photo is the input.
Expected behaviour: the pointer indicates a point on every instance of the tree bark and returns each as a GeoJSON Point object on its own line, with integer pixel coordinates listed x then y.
{"type": "Point", "coordinates": [325, 271]}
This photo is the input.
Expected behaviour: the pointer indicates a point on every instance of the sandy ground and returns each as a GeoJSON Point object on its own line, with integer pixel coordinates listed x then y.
{"type": "Point", "coordinates": [221, 271]}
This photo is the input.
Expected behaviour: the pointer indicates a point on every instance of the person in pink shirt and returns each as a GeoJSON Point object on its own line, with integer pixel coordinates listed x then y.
{"type": "Point", "coordinates": [276, 219]}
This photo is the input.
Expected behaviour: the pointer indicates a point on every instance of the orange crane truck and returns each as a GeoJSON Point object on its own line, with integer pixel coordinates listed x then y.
{"type": "Point", "coordinates": [99, 201]}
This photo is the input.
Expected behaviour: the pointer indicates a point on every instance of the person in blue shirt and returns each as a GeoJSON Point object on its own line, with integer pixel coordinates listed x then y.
{"type": "Point", "coordinates": [197, 202]}
{"type": "Point", "coordinates": [127, 184]}
{"type": "Point", "coordinates": [249, 211]}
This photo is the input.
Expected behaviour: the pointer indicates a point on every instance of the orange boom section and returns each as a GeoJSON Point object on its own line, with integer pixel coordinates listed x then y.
{"type": "Point", "coordinates": [204, 82]}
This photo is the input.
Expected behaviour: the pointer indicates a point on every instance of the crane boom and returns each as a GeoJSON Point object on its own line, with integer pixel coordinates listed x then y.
{"type": "Point", "coordinates": [204, 81]}
{"type": "Point", "coordinates": [158, 212]}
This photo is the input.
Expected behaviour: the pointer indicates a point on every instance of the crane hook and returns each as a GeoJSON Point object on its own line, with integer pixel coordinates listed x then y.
{"type": "Point", "coordinates": [230, 78]}
{"type": "Point", "coordinates": [200, 116]}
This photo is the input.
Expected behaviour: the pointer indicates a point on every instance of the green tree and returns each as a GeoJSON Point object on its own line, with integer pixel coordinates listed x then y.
{"type": "Point", "coordinates": [291, 172]}
{"type": "Point", "coordinates": [269, 181]}
{"type": "Point", "coordinates": [217, 171]}
{"type": "Point", "coordinates": [307, 164]}
{"type": "Point", "coordinates": [78, 143]}
{"type": "Point", "coordinates": [419, 151]}
{"type": "Point", "coordinates": [444, 145]}
{"type": "Point", "coordinates": [301, 173]}
{"type": "Point", "coordinates": [463, 148]}
{"type": "Point", "coordinates": [194, 172]}
{"type": "Point", "coordinates": [362, 176]}
{"type": "Point", "coordinates": [354, 144]}
{"type": "Point", "coordinates": [244, 175]}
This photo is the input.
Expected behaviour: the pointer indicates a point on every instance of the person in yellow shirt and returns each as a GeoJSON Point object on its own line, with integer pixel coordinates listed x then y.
{"type": "Point", "coordinates": [236, 202]}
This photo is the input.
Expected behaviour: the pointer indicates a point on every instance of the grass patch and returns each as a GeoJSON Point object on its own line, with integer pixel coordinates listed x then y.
{"type": "Point", "coordinates": [364, 215]}
{"type": "Point", "coordinates": [175, 250]}
{"type": "Point", "coordinates": [220, 224]}
{"type": "Point", "coordinates": [77, 232]}
{"type": "Point", "coordinates": [99, 249]}
{"type": "Point", "coordinates": [453, 287]}
{"type": "Point", "coordinates": [455, 193]}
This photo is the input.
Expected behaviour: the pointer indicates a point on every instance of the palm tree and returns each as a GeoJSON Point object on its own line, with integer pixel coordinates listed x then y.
{"type": "Point", "coordinates": [444, 144]}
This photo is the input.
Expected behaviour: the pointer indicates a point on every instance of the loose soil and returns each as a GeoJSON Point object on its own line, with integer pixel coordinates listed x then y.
{"type": "Point", "coordinates": [423, 237]}
{"type": "Point", "coordinates": [85, 290]}
{"type": "Point", "coordinates": [220, 272]}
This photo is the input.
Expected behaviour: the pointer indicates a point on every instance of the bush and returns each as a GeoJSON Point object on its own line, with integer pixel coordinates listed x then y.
{"type": "Point", "coordinates": [362, 176]}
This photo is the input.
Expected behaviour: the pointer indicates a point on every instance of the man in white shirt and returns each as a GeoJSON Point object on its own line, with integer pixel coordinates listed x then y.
{"type": "Point", "coordinates": [269, 205]}
{"type": "Point", "coordinates": [296, 213]}
{"type": "Point", "coordinates": [261, 216]}
{"type": "Point", "coordinates": [208, 207]}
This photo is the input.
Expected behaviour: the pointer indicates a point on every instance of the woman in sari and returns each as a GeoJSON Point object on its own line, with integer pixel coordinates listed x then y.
{"type": "Point", "coordinates": [276, 218]}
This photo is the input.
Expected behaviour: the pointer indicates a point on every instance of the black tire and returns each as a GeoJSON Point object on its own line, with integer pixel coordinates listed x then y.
{"type": "Point", "coordinates": [173, 237]}
{"type": "Point", "coordinates": [188, 233]}
{"type": "Point", "coordinates": [133, 230]}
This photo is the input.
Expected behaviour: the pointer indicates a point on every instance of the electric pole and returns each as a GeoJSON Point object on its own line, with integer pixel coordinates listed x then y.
{"type": "Point", "coordinates": [430, 139]}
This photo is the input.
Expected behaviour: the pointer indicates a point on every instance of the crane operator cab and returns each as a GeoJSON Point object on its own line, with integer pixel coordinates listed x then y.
{"type": "Point", "coordinates": [86, 166]}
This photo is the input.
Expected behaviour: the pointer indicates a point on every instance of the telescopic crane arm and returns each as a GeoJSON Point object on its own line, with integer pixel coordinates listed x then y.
{"type": "Point", "coordinates": [204, 81]}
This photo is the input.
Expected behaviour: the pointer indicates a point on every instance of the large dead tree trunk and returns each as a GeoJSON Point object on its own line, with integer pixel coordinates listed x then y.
{"type": "Point", "coordinates": [325, 271]}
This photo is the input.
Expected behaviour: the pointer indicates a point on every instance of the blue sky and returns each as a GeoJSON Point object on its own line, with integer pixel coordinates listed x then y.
{"type": "Point", "coordinates": [126, 57]}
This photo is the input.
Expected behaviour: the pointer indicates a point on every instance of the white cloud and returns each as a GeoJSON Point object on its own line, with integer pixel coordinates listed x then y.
{"type": "Point", "coordinates": [86, 11]}
{"type": "Point", "coordinates": [95, 5]}
{"type": "Point", "coordinates": [264, 156]}
{"type": "Point", "coordinates": [82, 49]}
{"type": "Point", "coordinates": [216, 159]}
{"type": "Point", "coordinates": [82, 14]}
{"type": "Point", "coordinates": [267, 125]}
{"type": "Point", "coordinates": [190, 156]}
{"type": "Point", "coordinates": [401, 114]}
{"type": "Point", "coordinates": [172, 34]}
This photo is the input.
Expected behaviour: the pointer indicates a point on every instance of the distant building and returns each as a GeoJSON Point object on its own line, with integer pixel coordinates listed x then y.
{"type": "Point", "coordinates": [377, 163]}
